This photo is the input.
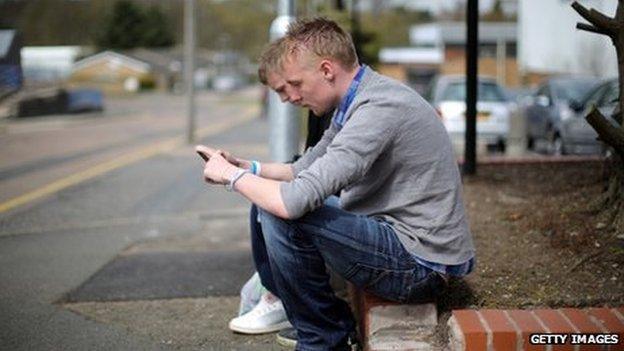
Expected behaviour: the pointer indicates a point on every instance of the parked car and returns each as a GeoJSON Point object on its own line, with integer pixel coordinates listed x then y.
{"type": "Point", "coordinates": [555, 101]}
{"type": "Point", "coordinates": [447, 94]}
{"type": "Point", "coordinates": [85, 100]}
{"type": "Point", "coordinates": [51, 101]}
{"type": "Point", "coordinates": [228, 82]}
{"type": "Point", "coordinates": [576, 135]}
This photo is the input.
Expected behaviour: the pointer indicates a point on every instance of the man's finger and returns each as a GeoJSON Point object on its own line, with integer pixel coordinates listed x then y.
{"type": "Point", "coordinates": [208, 151]}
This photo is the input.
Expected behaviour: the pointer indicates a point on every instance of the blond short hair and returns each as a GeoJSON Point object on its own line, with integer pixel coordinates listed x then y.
{"type": "Point", "coordinates": [322, 37]}
{"type": "Point", "coordinates": [271, 59]}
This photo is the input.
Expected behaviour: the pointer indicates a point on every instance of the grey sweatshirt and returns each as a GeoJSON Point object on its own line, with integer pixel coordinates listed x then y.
{"type": "Point", "coordinates": [392, 159]}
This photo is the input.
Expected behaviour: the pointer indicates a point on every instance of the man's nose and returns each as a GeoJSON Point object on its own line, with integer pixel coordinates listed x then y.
{"type": "Point", "coordinates": [295, 98]}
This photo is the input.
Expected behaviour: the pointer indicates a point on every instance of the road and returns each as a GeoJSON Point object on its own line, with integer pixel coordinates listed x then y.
{"type": "Point", "coordinates": [110, 239]}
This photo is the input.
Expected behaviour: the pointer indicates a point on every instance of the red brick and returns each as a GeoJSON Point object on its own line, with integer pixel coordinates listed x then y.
{"type": "Point", "coordinates": [504, 335]}
{"type": "Point", "coordinates": [555, 324]}
{"type": "Point", "coordinates": [610, 321]}
{"type": "Point", "coordinates": [621, 311]}
{"type": "Point", "coordinates": [607, 319]}
{"type": "Point", "coordinates": [474, 332]}
{"type": "Point", "coordinates": [584, 324]}
{"type": "Point", "coordinates": [528, 325]}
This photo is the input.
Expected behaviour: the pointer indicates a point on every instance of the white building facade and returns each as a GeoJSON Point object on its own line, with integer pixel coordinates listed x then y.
{"type": "Point", "coordinates": [549, 43]}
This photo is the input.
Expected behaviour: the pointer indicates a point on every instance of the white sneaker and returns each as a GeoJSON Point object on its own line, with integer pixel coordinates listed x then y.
{"type": "Point", "coordinates": [268, 316]}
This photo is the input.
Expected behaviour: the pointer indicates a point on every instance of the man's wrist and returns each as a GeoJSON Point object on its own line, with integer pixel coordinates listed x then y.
{"type": "Point", "coordinates": [240, 172]}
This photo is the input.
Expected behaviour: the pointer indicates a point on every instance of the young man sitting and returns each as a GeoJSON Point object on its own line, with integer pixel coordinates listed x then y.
{"type": "Point", "coordinates": [399, 229]}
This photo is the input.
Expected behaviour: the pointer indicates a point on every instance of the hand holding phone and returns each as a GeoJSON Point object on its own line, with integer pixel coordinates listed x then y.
{"type": "Point", "coordinates": [204, 152]}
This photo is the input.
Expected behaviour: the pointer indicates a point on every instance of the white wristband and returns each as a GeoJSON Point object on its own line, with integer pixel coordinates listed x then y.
{"type": "Point", "coordinates": [238, 175]}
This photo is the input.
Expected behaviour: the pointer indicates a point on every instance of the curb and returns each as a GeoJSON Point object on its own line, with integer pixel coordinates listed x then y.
{"type": "Point", "coordinates": [490, 329]}
{"type": "Point", "coordinates": [386, 325]}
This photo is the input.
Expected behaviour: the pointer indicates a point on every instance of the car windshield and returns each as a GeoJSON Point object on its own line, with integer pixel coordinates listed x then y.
{"type": "Point", "coordinates": [573, 90]}
{"type": "Point", "coordinates": [488, 92]}
{"type": "Point", "coordinates": [612, 94]}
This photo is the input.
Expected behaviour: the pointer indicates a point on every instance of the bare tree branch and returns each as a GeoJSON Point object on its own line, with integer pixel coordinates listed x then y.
{"type": "Point", "coordinates": [609, 133]}
{"type": "Point", "coordinates": [596, 18]}
{"type": "Point", "coordinates": [590, 28]}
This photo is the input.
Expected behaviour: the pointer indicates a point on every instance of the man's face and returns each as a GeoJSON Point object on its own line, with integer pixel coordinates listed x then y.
{"type": "Point", "coordinates": [303, 83]}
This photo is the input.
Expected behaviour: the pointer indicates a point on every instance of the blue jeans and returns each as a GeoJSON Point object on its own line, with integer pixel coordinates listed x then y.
{"type": "Point", "coordinates": [291, 258]}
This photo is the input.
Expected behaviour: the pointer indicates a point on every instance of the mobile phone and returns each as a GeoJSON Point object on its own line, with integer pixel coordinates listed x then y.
{"type": "Point", "coordinates": [203, 155]}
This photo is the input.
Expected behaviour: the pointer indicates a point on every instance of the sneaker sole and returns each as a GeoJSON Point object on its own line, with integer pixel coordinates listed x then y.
{"type": "Point", "coordinates": [269, 329]}
{"type": "Point", "coordinates": [286, 342]}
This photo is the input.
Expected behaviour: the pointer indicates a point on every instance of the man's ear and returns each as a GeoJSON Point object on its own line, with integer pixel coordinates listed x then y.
{"type": "Point", "coordinates": [327, 69]}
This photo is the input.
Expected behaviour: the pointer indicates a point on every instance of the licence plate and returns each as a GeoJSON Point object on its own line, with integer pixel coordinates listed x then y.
{"type": "Point", "coordinates": [481, 116]}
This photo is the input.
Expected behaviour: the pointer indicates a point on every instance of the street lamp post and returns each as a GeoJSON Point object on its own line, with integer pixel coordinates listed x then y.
{"type": "Point", "coordinates": [189, 66]}
{"type": "Point", "coordinates": [283, 117]}
{"type": "Point", "coordinates": [472, 56]}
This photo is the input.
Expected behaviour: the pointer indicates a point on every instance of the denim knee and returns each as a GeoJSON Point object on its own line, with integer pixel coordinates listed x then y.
{"type": "Point", "coordinates": [265, 217]}
{"type": "Point", "coordinates": [272, 226]}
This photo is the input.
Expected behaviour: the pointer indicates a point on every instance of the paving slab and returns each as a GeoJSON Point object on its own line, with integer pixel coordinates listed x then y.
{"type": "Point", "coordinates": [195, 324]}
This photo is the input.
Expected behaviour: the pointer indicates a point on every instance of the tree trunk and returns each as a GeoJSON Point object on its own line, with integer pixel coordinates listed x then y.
{"type": "Point", "coordinates": [613, 199]}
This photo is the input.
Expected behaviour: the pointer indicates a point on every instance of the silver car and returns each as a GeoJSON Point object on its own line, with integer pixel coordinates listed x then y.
{"type": "Point", "coordinates": [557, 100]}
{"type": "Point", "coordinates": [447, 94]}
{"type": "Point", "coordinates": [576, 136]}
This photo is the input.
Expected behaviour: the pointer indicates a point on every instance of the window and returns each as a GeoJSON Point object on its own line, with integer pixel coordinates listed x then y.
{"type": "Point", "coordinates": [487, 92]}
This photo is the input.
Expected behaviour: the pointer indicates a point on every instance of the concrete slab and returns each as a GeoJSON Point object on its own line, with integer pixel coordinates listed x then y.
{"type": "Point", "coordinates": [159, 275]}
{"type": "Point", "coordinates": [195, 324]}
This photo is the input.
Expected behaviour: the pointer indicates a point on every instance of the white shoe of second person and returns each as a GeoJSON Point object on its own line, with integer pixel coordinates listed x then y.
{"type": "Point", "coordinates": [266, 317]}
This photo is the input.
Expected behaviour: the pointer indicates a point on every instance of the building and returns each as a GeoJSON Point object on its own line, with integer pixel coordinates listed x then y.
{"type": "Point", "coordinates": [46, 64]}
{"type": "Point", "coordinates": [436, 7]}
{"type": "Point", "coordinates": [11, 77]}
{"type": "Point", "coordinates": [133, 70]}
{"type": "Point", "coordinates": [549, 43]}
{"type": "Point", "coordinates": [415, 66]}
{"type": "Point", "coordinates": [440, 47]}
{"type": "Point", "coordinates": [112, 72]}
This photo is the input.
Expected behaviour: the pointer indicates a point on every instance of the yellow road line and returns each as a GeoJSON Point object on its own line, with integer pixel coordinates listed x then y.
{"type": "Point", "coordinates": [124, 160]}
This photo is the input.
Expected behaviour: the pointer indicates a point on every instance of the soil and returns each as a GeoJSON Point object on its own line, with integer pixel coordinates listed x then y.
{"type": "Point", "coordinates": [537, 243]}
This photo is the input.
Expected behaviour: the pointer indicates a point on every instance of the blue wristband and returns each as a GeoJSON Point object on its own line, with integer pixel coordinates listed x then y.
{"type": "Point", "coordinates": [255, 168]}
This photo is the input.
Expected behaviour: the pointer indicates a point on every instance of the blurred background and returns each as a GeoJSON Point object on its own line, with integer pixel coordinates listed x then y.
{"type": "Point", "coordinates": [73, 56]}
{"type": "Point", "coordinates": [111, 240]}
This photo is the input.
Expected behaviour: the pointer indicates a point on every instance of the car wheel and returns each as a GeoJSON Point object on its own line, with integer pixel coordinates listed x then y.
{"type": "Point", "coordinates": [501, 146]}
{"type": "Point", "coordinates": [530, 142]}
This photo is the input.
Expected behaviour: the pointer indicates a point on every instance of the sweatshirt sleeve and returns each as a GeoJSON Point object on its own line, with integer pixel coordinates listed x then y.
{"type": "Point", "coordinates": [316, 151]}
{"type": "Point", "coordinates": [347, 158]}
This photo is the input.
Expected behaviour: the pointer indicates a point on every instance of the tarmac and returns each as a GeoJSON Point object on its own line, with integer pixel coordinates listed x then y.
{"type": "Point", "coordinates": [144, 257]}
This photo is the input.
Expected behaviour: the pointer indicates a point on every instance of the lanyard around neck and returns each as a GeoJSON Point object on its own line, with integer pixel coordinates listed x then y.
{"type": "Point", "coordinates": [346, 101]}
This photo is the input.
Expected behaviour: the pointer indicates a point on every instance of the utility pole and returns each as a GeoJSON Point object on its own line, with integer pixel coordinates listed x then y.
{"type": "Point", "coordinates": [189, 65]}
{"type": "Point", "coordinates": [472, 57]}
{"type": "Point", "coordinates": [284, 121]}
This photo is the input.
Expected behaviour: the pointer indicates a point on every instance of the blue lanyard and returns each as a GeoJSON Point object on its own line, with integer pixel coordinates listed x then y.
{"type": "Point", "coordinates": [348, 98]}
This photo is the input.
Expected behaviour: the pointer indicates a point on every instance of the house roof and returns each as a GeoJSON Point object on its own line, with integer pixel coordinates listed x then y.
{"type": "Point", "coordinates": [455, 33]}
{"type": "Point", "coordinates": [160, 60]}
{"type": "Point", "coordinates": [170, 59]}
{"type": "Point", "coordinates": [131, 62]}
{"type": "Point", "coordinates": [6, 39]}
